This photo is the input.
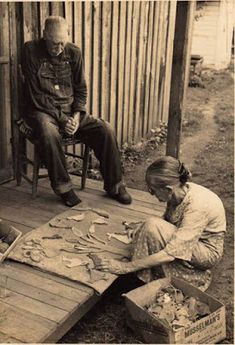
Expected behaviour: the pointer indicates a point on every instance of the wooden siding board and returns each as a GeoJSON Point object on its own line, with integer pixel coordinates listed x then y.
{"type": "Point", "coordinates": [163, 60]}
{"type": "Point", "coordinates": [152, 98]}
{"type": "Point", "coordinates": [169, 55]}
{"type": "Point", "coordinates": [157, 114]}
{"type": "Point", "coordinates": [146, 113]}
{"type": "Point", "coordinates": [96, 83]}
{"type": "Point", "coordinates": [141, 52]}
{"type": "Point", "coordinates": [57, 8]}
{"type": "Point", "coordinates": [121, 69]}
{"type": "Point", "coordinates": [133, 72]}
{"type": "Point", "coordinates": [78, 24]}
{"type": "Point", "coordinates": [44, 11]}
{"type": "Point", "coordinates": [88, 51]}
{"type": "Point", "coordinates": [5, 103]}
{"type": "Point", "coordinates": [144, 70]}
{"type": "Point", "coordinates": [31, 19]}
{"type": "Point", "coordinates": [68, 13]}
{"type": "Point", "coordinates": [15, 114]}
{"type": "Point", "coordinates": [114, 62]}
{"type": "Point", "coordinates": [128, 63]}
{"type": "Point", "coordinates": [105, 74]}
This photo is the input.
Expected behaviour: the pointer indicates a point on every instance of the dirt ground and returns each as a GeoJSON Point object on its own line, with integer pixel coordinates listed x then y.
{"type": "Point", "coordinates": [207, 148]}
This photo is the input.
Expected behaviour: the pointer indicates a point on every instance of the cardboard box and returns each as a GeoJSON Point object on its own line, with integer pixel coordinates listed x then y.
{"type": "Point", "coordinates": [208, 330]}
{"type": "Point", "coordinates": [9, 232]}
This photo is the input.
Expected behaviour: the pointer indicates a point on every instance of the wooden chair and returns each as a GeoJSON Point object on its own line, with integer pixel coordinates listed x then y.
{"type": "Point", "coordinates": [22, 160]}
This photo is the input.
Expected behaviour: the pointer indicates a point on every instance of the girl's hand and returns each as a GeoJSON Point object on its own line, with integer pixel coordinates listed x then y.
{"type": "Point", "coordinates": [111, 266]}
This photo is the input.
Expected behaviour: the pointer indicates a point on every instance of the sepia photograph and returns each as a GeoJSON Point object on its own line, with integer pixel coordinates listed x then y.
{"type": "Point", "coordinates": [117, 172]}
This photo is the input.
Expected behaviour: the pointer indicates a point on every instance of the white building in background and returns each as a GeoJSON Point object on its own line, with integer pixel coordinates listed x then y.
{"type": "Point", "coordinates": [213, 32]}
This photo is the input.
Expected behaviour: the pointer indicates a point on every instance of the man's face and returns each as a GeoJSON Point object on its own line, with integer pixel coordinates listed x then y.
{"type": "Point", "coordinates": [56, 39]}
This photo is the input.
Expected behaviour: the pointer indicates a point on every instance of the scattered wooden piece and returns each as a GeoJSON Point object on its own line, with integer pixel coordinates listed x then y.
{"type": "Point", "coordinates": [53, 237]}
{"type": "Point", "coordinates": [98, 239]}
{"type": "Point", "coordinates": [77, 217]}
{"type": "Point", "coordinates": [26, 253]}
{"type": "Point", "coordinates": [77, 232]}
{"type": "Point", "coordinates": [77, 208]}
{"type": "Point", "coordinates": [74, 262]}
{"type": "Point", "coordinates": [50, 253]}
{"type": "Point", "coordinates": [92, 229]}
{"type": "Point", "coordinates": [28, 248]}
{"type": "Point", "coordinates": [100, 212]}
{"type": "Point", "coordinates": [36, 257]}
{"type": "Point", "coordinates": [119, 237]}
{"type": "Point", "coordinates": [59, 223]}
{"type": "Point", "coordinates": [100, 221]}
{"type": "Point", "coordinates": [72, 240]}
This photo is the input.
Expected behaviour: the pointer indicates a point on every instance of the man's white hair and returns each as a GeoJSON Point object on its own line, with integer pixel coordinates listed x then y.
{"type": "Point", "coordinates": [54, 21]}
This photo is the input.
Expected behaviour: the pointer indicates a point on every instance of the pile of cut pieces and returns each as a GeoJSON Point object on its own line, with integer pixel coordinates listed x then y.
{"type": "Point", "coordinates": [177, 310]}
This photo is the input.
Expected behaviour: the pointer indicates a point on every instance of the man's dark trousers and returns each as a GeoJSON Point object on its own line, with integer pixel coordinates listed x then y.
{"type": "Point", "coordinates": [95, 133]}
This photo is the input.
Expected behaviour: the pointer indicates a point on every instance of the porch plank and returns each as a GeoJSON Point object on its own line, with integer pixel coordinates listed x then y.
{"type": "Point", "coordinates": [36, 307]}
{"type": "Point", "coordinates": [40, 295]}
{"type": "Point", "coordinates": [71, 320]}
{"type": "Point", "coordinates": [4, 338]}
{"type": "Point", "coordinates": [24, 326]}
{"type": "Point", "coordinates": [52, 284]}
{"type": "Point", "coordinates": [29, 216]}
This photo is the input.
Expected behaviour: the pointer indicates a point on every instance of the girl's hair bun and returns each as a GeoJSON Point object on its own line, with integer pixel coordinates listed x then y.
{"type": "Point", "coordinates": [184, 173]}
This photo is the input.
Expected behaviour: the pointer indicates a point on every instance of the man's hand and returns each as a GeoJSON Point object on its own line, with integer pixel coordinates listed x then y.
{"type": "Point", "coordinates": [72, 125]}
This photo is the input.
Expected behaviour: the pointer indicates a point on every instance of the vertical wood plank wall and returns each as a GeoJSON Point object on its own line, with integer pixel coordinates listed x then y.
{"type": "Point", "coordinates": [127, 50]}
{"type": "Point", "coordinates": [5, 111]}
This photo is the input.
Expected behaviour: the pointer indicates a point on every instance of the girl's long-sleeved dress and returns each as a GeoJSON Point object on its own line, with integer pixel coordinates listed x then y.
{"type": "Point", "coordinates": [192, 232]}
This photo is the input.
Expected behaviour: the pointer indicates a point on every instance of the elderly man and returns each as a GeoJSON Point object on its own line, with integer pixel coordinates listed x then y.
{"type": "Point", "coordinates": [56, 94]}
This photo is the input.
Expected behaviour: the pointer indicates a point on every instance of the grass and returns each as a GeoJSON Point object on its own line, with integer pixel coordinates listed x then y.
{"type": "Point", "coordinates": [192, 122]}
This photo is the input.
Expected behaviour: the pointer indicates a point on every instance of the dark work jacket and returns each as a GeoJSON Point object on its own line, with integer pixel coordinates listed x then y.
{"type": "Point", "coordinates": [54, 85]}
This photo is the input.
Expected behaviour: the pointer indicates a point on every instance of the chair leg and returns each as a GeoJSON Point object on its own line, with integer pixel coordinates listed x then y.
{"type": "Point", "coordinates": [85, 166]}
{"type": "Point", "coordinates": [36, 167]}
{"type": "Point", "coordinates": [19, 157]}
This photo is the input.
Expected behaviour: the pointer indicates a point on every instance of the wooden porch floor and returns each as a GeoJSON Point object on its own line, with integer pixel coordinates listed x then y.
{"type": "Point", "coordinates": [42, 307]}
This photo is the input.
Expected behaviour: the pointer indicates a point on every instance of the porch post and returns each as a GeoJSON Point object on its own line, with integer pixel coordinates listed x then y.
{"type": "Point", "coordinates": [180, 73]}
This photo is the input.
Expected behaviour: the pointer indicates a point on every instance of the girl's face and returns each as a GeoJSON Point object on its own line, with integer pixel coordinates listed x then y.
{"type": "Point", "coordinates": [163, 194]}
